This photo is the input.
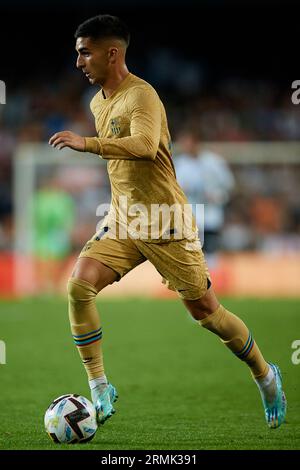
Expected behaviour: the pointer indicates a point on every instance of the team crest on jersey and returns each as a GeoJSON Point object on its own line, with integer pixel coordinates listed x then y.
{"type": "Point", "coordinates": [115, 126]}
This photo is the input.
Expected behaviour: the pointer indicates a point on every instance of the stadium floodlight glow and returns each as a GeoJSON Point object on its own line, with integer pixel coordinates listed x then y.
{"type": "Point", "coordinates": [2, 92]}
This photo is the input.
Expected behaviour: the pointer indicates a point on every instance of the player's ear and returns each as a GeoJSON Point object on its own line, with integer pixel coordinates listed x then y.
{"type": "Point", "coordinates": [112, 54]}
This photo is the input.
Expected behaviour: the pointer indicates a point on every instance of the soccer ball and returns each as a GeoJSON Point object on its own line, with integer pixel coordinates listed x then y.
{"type": "Point", "coordinates": [70, 419]}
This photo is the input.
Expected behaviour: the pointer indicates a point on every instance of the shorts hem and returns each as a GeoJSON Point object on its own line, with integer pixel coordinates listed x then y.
{"type": "Point", "coordinates": [188, 297]}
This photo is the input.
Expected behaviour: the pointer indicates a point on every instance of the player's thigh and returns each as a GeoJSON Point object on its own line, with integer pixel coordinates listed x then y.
{"type": "Point", "coordinates": [94, 272]}
{"type": "Point", "coordinates": [107, 260]}
{"type": "Point", "coordinates": [182, 266]}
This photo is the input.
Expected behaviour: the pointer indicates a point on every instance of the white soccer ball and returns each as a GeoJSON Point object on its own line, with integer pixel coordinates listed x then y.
{"type": "Point", "coordinates": [70, 419]}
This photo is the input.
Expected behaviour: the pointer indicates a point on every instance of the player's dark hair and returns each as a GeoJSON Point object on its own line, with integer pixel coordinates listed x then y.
{"type": "Point", "coordinates": [103, 26]}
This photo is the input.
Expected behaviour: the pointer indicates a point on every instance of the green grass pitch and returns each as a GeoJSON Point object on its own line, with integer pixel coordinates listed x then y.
{"type": "Point", "coordinates": [179, 387]}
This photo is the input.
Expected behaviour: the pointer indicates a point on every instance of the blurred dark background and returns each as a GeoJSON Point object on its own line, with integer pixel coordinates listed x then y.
{"type": "Point", "coordinates": [248, 39]}
{"type": "Point", "coordinates": [242, 53]}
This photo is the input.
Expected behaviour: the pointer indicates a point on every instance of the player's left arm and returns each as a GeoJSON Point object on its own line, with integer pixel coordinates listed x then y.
{"type": "Point", "coordinates": [145, 126]}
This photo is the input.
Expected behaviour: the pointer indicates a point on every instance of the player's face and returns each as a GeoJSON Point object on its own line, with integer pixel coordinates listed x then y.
{"type": "Point", "coordinates": [93, 60]}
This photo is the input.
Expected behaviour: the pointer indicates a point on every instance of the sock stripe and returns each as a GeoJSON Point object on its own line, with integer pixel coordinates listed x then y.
{"type": "Point", "coordinates": [246, 348]}
{"type": "Point", "coordinates": [87, 334]}
{"type": "Point", "coordinates": [245, 354]}
{"type": "Point", "coordinates": [87, 343]}
{"type": "Point", "coordinates": [92, 339]}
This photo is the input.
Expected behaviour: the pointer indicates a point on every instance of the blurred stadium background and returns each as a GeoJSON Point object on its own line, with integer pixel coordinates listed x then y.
{"type": "Point", "coordinates": [222, 71]}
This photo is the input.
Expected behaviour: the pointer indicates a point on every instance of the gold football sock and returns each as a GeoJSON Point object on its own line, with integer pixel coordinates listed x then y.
{"type": "Point", "coordinates": [85, 325]}
{"type": "Point", "coordinates": [235, 335]}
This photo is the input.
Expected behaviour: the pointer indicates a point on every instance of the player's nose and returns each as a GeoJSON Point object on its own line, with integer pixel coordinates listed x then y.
{"type": "Point", "coordinates": [79, 63]}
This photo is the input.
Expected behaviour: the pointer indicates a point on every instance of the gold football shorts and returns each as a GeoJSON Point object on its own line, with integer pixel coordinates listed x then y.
{"type": "Point", "coordinates": [181, 263]}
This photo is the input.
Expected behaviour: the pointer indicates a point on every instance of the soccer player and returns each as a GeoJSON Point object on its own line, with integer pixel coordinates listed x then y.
{"type": "Point", "coordinates": [133, 136]}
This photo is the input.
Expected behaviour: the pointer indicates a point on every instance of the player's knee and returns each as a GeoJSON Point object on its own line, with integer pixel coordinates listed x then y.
{"type": "Point", "coordinates": [198, 311]}
{"type": "Point", "coordinates": [94, 272]}
{"type": "Point", "coordinates": [202, 307]}
{"type": "Point", "coordinates": [80, 290]}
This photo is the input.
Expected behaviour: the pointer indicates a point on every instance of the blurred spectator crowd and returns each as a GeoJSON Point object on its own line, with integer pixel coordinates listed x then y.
{"type": "Point", "coordinates": [262, 209]}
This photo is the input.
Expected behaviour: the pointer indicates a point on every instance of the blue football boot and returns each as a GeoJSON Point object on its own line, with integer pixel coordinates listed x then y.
{"type": "Point", "coordinates": [275, 410]}
{"type": "Point", "coordinates": [103, 398]}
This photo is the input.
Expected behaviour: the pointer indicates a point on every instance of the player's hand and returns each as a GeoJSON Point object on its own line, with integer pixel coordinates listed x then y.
{"type": "Point", "coordinates": [67, 139]}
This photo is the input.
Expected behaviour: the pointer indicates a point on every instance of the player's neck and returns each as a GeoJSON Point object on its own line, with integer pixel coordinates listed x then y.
{"type": "Point", "coordinates": [114, 81]}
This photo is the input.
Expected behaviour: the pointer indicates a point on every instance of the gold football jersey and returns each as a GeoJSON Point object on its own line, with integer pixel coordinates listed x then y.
{"type": "Point", "coordinates": [134, 138]}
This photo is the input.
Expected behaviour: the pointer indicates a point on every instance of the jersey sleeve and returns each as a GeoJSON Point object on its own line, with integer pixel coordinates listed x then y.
{"type": "Point", "coordinates": [145, 127]}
